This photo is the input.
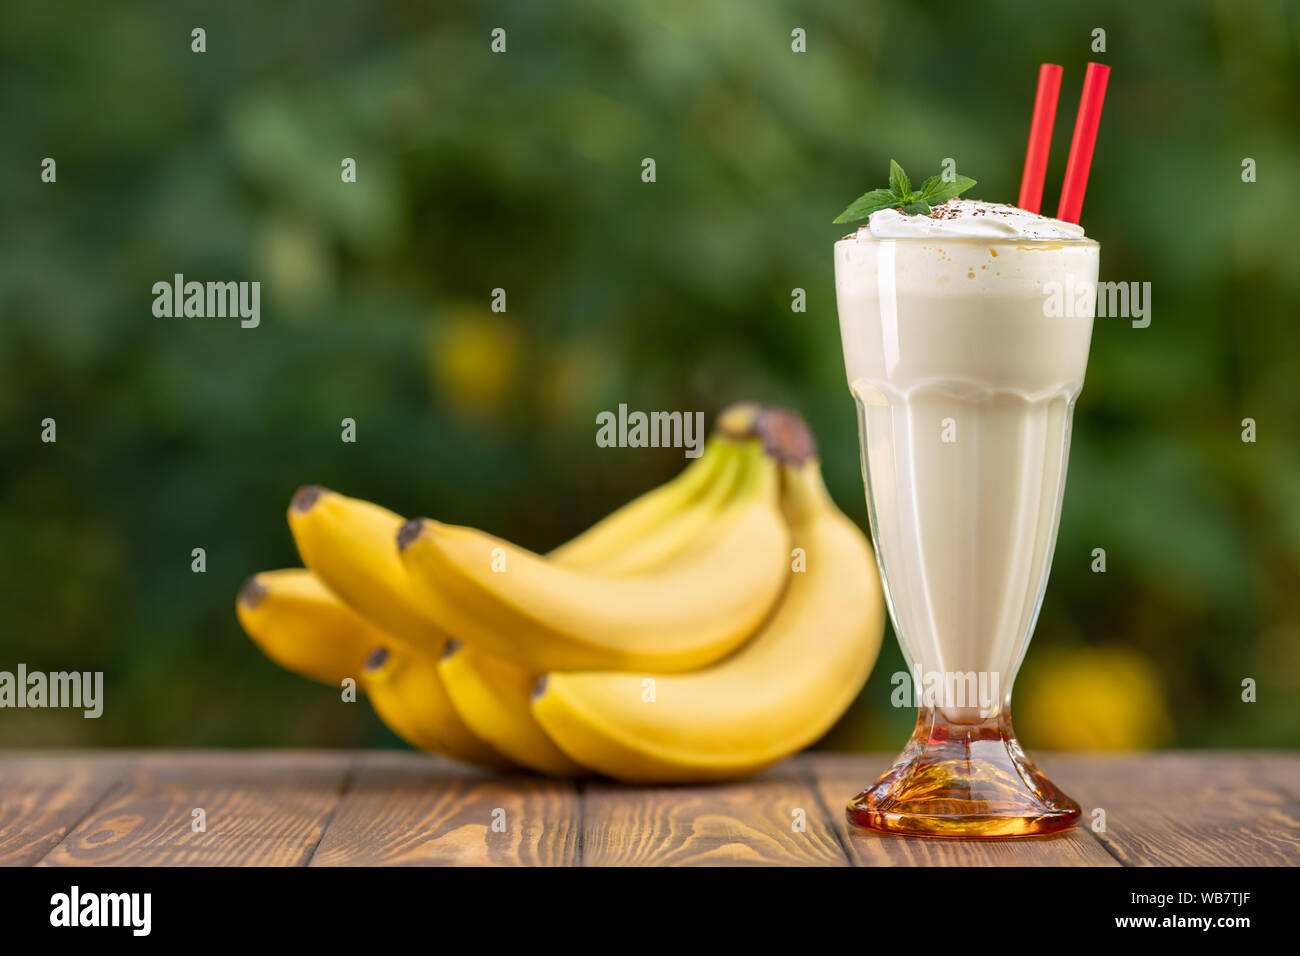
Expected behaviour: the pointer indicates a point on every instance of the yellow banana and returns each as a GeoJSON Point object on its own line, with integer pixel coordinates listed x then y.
{"type": "Point", "coordinates": [778, 694]}
{"type": "Point", "coordinates": [547, 617]}
{"type": "Point", "coordinates": [644, 515]}
{"type": "Point", "coordinates": [303, 627]}
{"type": "Point", "coordinates": [683, 526]}
{"type": "Point", "coordinates": [350, 545]}
{"type": "Point", "coordinates": [403, 686]}
{"type": "Point", "coordinates": [491, 695]}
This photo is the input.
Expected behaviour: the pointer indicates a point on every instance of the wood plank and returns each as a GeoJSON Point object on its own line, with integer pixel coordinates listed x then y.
{"type": "Point", "coordinates": [741, 824]}
{"type": "Point", "coordinates": [841, 776]}
{"type": "Point", "coordinates": [1282, 769]}
{"type": "Point", "coordinates": [286, 808]}
{"type": "Point", "coordinates": [264, 808]}
{"type": "Point", "coordinates": [414, 809]}
{"type": "Point", "coordinates": [44, 794]}
{"type": "Point", "coordinates": [1191, 808]}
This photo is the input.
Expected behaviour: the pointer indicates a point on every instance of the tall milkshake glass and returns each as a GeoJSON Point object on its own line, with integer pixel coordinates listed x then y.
{"type": "Point", "coordinates": [965, 338]}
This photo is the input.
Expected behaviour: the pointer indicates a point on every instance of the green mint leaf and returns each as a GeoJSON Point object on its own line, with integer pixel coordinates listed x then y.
{"type": "Point", "coordinates": [942, 192]}
{"type": "Point", "coordinates": [900, 195]}
{"type": "Point", "coordinates": [866, 204]}
{"type": "Point", "coordinates": [931, 185]}
{"type": "Point", "coordinates": [898, 180]}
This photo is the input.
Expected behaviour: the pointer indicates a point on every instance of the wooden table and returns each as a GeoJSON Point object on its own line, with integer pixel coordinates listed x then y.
{"type": "Point", "coordinates": [331, 808]}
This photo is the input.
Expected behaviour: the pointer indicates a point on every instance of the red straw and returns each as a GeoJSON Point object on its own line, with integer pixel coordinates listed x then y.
{"type": "Point", "coordinates": [1040, 137]}
{"type": "Point", "coordinates": [1085, 138]}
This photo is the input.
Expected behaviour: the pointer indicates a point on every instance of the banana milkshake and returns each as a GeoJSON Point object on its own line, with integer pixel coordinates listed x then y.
{"type": "Point", "coordinates": [965, 387]}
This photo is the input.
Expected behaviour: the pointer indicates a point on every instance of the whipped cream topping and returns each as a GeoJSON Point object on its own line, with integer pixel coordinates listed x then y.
{"type": "Point", "coordinates": [968, 219]}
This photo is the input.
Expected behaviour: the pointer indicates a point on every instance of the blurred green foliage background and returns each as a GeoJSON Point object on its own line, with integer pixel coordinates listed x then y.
{"type": "Point", "coordinates": [522, 171]}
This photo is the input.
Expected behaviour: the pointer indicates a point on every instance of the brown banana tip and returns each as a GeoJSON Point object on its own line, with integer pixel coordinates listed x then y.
{"type": "Point", "coordinates": [306, 496]}
{"type": "Point", "coordinates": [540, 687]}
{"type": "Point", "coordinates": [376, 658]}
{"type": "Point", "coordinates": [785, 435]}
{"type": "Point", "coordinates": [451, 647]}
{"type": "Point", "coordinates": [252, 593]}
{"type": "Point", "coordinates": [408, 532]}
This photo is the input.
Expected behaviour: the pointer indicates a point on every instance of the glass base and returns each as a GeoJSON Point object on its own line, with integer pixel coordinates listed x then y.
{"type": "Point", "coordinates": [964, 780]}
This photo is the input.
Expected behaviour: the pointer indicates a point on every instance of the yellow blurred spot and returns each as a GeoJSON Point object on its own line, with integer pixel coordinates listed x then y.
{"type": "Point", "coordinates": [293, 257]}
{"type": "Point", "coordinates": [571, 377]}
{"type": "Point", "coordinates": [1093, 698]}
{"type": "Point", "coordinates": [474, 360]}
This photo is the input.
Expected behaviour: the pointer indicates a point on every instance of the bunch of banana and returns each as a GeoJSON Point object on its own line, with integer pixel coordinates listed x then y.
{"type": "Point", "coordinates": [701, 632]}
